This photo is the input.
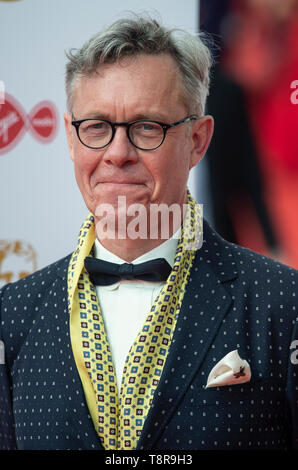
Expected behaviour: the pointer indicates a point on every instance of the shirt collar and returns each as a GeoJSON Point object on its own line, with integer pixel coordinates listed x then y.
{"type": "Point", "coordinates": [166, 250]}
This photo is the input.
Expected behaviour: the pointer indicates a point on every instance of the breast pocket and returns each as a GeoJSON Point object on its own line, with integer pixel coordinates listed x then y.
{"type": "Point", "coordinates": [256, 391]}
{"type": "Point", "coordinates": [236, 417]}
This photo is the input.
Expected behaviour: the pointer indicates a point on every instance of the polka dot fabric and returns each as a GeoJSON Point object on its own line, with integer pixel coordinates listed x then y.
{"type": "Point", "coordinates": [235, 299]}
{"type": "Point", "coordinates": [48, 401]}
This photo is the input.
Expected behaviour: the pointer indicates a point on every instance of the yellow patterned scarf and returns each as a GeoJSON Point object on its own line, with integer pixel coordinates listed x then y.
{"type": "Point", "coordinates": [119, 422]}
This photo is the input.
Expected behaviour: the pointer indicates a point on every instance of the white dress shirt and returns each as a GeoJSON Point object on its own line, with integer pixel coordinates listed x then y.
{"type": "Point", "coordinates": [126, 304]}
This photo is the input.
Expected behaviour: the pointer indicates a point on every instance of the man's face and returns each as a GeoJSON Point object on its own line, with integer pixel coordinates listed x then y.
{"type": "Point", "coordinates": [146, 87]}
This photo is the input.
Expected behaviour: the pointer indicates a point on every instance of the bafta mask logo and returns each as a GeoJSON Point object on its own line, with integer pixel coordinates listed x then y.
{"type": "Point", "coordinates": [17, 260]}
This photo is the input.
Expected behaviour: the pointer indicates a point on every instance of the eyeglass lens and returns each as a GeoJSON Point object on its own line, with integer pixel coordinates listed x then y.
{"type": "Point", "coordinates": [96, 134]}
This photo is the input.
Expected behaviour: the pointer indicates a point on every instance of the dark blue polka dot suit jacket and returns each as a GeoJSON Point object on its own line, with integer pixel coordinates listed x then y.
{"type": "Point", "coordinates": [235, 299]}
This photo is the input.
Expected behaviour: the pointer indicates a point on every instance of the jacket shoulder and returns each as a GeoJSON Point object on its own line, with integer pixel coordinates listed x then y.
{"type": "Point", "coordinates": [241, 261]}
{"type": "Point", "coordinates": [23, 298]}
{"type": "Point", "coordinates": [37, 281]}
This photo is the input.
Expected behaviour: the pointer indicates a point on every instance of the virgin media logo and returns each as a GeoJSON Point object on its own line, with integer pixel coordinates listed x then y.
{"type": "Point", "coordinates": [41, 122]}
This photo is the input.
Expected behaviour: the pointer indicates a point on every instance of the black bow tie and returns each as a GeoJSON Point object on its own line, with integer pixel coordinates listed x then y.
{"type": "Point", "coordinates": [103, 273]}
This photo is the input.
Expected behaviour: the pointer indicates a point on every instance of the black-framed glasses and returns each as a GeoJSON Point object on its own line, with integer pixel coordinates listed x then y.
{"type": "Point", "coordinates": [144, 134]}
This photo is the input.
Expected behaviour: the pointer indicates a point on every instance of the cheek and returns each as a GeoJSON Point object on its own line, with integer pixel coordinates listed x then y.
{"type": "Point", "coordinates": [171, 168]}
{"type": "Point", "coordinates": [168, 179]}
{"type": "Point", "coordinates": [85, 165]}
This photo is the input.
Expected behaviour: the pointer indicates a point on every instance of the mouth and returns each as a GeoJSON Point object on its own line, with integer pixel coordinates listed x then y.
{"type": "Point", "coordinates": [120, 184]}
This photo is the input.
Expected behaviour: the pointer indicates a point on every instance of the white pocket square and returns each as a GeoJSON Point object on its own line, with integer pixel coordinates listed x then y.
{"type": "Point", "coordinates": [230, 370]}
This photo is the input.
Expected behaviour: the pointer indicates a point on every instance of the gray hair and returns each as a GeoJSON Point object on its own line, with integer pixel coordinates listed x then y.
{"type": "Point", "coordinates": [132, 37]}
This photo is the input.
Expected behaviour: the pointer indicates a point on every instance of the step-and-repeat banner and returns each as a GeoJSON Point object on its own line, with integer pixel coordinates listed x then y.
{"type": "Point", "coordinates": [41, 209]}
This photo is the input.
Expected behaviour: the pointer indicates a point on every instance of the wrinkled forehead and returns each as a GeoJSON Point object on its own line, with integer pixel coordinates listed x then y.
{"type": "Point", "coordinates": [145, 77]}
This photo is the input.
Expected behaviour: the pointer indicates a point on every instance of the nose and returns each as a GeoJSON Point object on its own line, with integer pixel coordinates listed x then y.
{"type": "Point", "coordinates": [120, 151]}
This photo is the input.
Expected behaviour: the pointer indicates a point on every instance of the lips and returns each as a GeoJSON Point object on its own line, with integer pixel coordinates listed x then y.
{"type": "Point", "coordinates": [120, 183]}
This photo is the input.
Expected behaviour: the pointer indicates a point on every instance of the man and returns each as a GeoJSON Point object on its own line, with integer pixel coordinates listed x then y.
{"type": "Point", "coordinates": [181, 347]}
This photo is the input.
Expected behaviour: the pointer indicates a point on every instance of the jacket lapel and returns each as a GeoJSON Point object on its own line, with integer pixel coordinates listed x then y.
{"type": "Point", "coordinates": [82, 419]}
{"type": "Point", "coordinates": [204, 306]}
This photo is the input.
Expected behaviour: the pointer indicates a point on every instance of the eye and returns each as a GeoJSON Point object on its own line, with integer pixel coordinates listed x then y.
{"type": "Point", "coordinates": [97, 125]}
{"type": "Point", "coordinates": [147, 128]}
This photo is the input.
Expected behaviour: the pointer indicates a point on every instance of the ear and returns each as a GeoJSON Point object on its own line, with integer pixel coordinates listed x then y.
{"type": "Point", "coordinates": [202, 131]}
{"type": "Point", "coordinates": [69, 130]}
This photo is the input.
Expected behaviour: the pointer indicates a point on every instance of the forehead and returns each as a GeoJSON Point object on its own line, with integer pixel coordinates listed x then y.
{"type": "Point", "coordinates": [143, 84]}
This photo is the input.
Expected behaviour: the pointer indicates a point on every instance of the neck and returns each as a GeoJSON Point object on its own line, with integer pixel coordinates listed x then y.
{"type": "Point", "coordinates": [128, 237]}
{"type": "Point", "coordinates": [135, 244]}
{"type": "Point", "coordinates": [128, 251]}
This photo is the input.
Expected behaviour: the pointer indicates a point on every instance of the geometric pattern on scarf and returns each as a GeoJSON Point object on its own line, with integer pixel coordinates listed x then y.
{"type": "Point", "coordinates": [119, 421]}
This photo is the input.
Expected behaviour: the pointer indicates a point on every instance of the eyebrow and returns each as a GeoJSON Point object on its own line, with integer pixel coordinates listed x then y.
{"type": "Point", "coordinates": [137, 117]}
